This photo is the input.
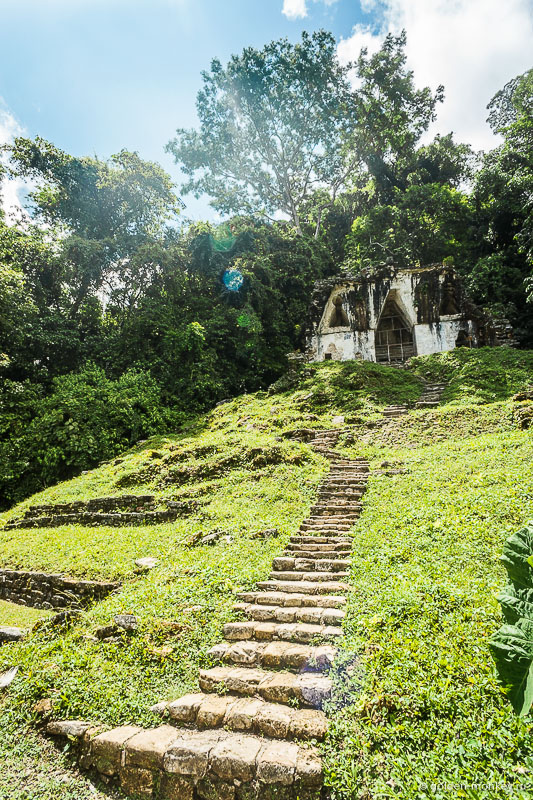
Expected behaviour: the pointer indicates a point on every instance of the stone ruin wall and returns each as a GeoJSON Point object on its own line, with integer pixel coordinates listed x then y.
{"type": "Point", "coordinates": [432, 301]}
{"type": "Point", "coordinates": [43, 590]}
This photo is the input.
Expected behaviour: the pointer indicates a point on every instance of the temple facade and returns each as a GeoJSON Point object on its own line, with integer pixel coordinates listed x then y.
{"type": "Point", "coordinates": [395, 316]}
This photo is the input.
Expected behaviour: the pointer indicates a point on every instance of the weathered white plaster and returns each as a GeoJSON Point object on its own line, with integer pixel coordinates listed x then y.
{"type": "Point", "coordinates": [346, 342]}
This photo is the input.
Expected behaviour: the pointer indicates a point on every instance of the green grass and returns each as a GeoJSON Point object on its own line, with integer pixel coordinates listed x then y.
{"type": "Point", "coordinates": [33, 768]}
{"type": "Point", "coordinates": [425, 573]}
{"type": "Point", "coordinates": [418, 691]}
{"type": "Point", "coordinates": [477, 376]}
{"type": "Point", "coordinates": [20, 616]}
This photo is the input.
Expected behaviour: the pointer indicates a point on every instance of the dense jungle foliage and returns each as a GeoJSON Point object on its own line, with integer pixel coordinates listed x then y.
{"type": "Point", "coordinates": [119, 318]}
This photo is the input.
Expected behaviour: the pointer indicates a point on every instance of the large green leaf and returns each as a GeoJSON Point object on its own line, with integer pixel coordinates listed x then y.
{"type": "Point", "coordinates": [512, 649]}
{"type": "Point", "coordinates": [516, 603]}
{"type": "Point", "coordinates": [516, 552]}
{"type": "Point", "coordinates": [512, 645]}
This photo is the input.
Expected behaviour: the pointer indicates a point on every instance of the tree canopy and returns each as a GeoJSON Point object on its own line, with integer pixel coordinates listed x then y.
{"type": "Point", "coordinates": [281, 124]}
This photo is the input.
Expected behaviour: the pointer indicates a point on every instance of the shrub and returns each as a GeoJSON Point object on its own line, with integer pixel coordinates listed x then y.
{"type": "Point", "coordinates": [86, 419]}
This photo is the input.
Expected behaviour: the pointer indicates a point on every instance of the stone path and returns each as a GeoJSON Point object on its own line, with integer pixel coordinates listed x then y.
{"type": "Point", "coordinates": [430, 397]}
{"type": "Point", "coordinates": [248, 733]}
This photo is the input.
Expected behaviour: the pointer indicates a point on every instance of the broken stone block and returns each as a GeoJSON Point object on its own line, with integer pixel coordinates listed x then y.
{"type": "Point", "coordinates": [212, 711]}
{"type": "Point", "coordinates": [234, 758]}
{"type": "Point", "coordinates": [106, 748]}
{"type": "Point", "coordinates": [209, 789]}
{"type": "Point", "coordinates": [189, 755]}
{"type": "Point", "coordinates": [160, 708]}
{"type": "Point", "coordinates": [10, 633]}
{"type": "Point", "coordinates": [266, 534]}
{"type": "Point", "coordinates": [241, 714]}
{"type": "Point", "coordinates": [107, 631]}
{"type": "Point", "coordinates": [147, 748]}
{"type": "Point", "coordinates": [274, 720]}
{"type": "Point", "coordinates": [137, 781]}
{"type": "Point", "coordinates": [308, 725]}
{"type": "Point", "coordinates": [211, 538]}
{"type": "Point", "coordinates": [74, 728]}
{"type": "Point", "coordinates": [185, 708]}
{"type": "Point", "coordinates": [127, 622]}
{"type": "Point", "coordinates": [277, 763]}
{"type": "Point", "coordinates": [43, 707]}
{"type": "Point", "coordinates": [147, 563]}
{"type": "Point", "coordinates": [174, 787]}
{"type": "Point", "coordinates": [309, 767]}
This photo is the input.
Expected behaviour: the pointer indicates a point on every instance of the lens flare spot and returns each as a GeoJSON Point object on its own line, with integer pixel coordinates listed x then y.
{"type": "Point", "coordinates": [233, 279]}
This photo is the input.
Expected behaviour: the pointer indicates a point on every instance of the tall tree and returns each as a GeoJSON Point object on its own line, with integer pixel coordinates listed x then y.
{"type": "Point", "coordinates": [504, 193]}
{"type": "Point", "coordinates": [271, 128]}
{"type": "Point", "coordinates": [391, 115]}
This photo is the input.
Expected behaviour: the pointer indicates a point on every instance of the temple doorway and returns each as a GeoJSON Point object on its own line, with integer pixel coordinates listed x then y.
{"type": "Point", "coordinates": [394, 337]}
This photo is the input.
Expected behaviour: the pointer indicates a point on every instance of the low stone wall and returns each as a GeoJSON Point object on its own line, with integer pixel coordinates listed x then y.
{"type": "Point", "coordinates": [90, 519]}
{"type": "Point", "coordinates": [42, 590]}
{"type": "Point", "coordinates": [116, 511]}
{"type": "Point", "coordinates": [125, 502]}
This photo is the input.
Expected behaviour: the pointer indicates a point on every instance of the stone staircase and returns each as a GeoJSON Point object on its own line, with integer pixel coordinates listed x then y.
{"type": "Point", "coordinates": [431, 395]}
{"type": "Point", "coordinates": [395, 411]}
{"type": "Point", "coordinates": [249, 731]}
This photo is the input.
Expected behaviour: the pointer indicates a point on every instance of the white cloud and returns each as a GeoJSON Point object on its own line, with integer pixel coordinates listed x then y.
{"type": "Point", "coordinates": [10, 190]}
{"type": "Point", "coordinates": [473, 47]}
{"type": "Point", "coordinates": [294, 9]}
{"type": "Point", "coordinates": [297, 9]}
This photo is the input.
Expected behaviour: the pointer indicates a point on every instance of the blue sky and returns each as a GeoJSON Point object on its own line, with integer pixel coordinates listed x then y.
{"type": "Point", "coordinates": [94, 76]}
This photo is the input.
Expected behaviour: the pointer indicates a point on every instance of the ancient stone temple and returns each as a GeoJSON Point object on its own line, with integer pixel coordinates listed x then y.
{"type": "Point", "coordinates": [392, 317]}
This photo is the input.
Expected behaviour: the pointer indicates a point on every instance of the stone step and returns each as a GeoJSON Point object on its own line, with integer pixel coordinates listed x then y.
{"type": "Point", "coordinates": [326, 529]}
{"type": "Point", "coordinates": [309, 689]}
{"type": "Point", "coordinates": [187, 764]}
{"type": "Point", "coordinates": [295, 552]}
{"type": "Point", "coordinates": [326, 521]}
{"type": "Point", "coordinates": [298, 577]}
{"type": "Point", "coordinates": [335, 513]}
{"type": "Point", "coordinates": [338, 500]}
{"type": "Point", "coordinates": [346, 472]}
{"type": "Point", "coordinates": [347, 510]}
{"type": "Point", "coordinates": [342, 510]}
{"type": "Point", "coordinates": [350, 491]}
{"type": "Point", "coordinates": [293, 656]}
{"type": "Point", "coordinates": [305, 587]}
{"type": "Point", "coordinates": [285, 563]}
{"type": "Point", "coordinates": [341, 493]}
{"type": "Point", "coordinates": [327, 524]}
{"type": "Point", "coordinates": [91, 519]}
{"type": "Point", "coordinates": [321, 548]}
{"type": "Point", "coordinates": [300, 632]}
{"type": "Point", "coordinates": [275, 613]}
{"type": "Point", "coordinates": [251, 715]}
{"type": "Point", "coordinates": [326, 540]}
{"type": "Point", "coordinates": [288, 600]}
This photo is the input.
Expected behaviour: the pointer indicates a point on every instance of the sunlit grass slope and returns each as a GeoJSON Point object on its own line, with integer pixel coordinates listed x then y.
{"type": "Point", "coordinates": [425, 567]}
{"type": "Point", "coordinates": [429, 716]}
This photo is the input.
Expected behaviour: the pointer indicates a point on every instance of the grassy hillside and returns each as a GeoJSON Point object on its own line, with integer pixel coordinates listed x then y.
{"type": "Point", "coordinates": [424, 706]}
